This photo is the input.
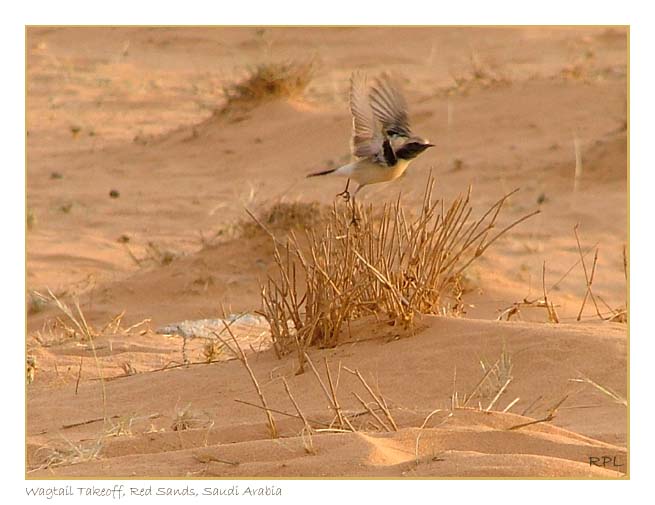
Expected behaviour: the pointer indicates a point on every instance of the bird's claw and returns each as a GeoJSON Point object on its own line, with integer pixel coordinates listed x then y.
{"type": "Point", "coordinates": [345, 194]}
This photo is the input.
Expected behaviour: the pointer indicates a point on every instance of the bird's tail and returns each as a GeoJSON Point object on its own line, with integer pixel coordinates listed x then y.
{"type": "Point", "coordinates": [324, 172]}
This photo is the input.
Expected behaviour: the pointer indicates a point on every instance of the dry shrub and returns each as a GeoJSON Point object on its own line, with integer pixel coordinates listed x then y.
{"type": "Point", "coordinates": [603, 389]}
{"type": "Point", "coordinates": [74, 325]}
{"type": "Point", "coordinates": [280, 217]}
{"type": "Point", "coordinates": [30, 368]}
{"type": "Point", "coordinates": [582, 68]}
{"type": "Point", "coordinates": [154, 254]}
{"type": "Point", "coordinates": [608, 313]}
{"type": "Point", "coordinates": [618, 315]}
{"type": "Point", "coordinates": [36, 302]}
{"type": "Point", "coordinates": [30, 219]}
{"type": "Point", "coordinates": [187, 419]}
{"type": "Point", "coordinates": [295, 214]}
{"type": "Point", "coordinates": [158, 255]}
{"type": "Point", "coordinates": [121, 427]}
{"type": "Point", "coordinates": [480, 75]}
{"type": "Point", "coordinates": [394, 266]}
{"type": "Point", "coordinates": [381, 418]}
{"type": "Point", "coordinates": [212, 351]}
{"type": "Point", "coordinates": [70, 453]}
{"type": "Point", "coordinates": [268, 81]}
{"type": "Point", "coordinates": [284, 216]}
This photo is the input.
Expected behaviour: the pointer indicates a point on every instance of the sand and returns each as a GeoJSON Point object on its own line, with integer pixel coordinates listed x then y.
{"type": "Point", "coordinates": [129, 112]}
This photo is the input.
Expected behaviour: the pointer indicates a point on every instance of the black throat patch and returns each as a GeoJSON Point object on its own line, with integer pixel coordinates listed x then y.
{"type": "Point", "coordinates": [410, 150]}
{"type": "Point", "coordinates": [389, 155]}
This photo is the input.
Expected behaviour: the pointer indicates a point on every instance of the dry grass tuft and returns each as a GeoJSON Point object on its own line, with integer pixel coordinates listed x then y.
{"type": "Point", "coordinates": [30, 368]}
{"type": "Point", "coordinates": [268, 81]}
{"type": "Point", "coordinates": [154, 254]}
{"type": "Point", "coordinates": [499, 375]}
{"type": "Point", "coordinates": [396, 267]}
{"type": "Point", "coordinates": [121, 427]}
{"type": "Point", "coordinates": [36, 302]}
{"type": "Point", "coordinates": [212, 350]}
{"type": "Point", "coordinates": [128, 368]}
{"type": "Point", "coordinates": [603, 389]}
{"type": "Point", "coordinates": [479, 75]}
{"type": "Point", "coordinates": [343, 420]}
{"type": "Point", "coordinates": [187, 419]}
{"type": "Point", "coordinates": [495, 380]}
{"type": "Point", "coordinates": [279, 218]}
{"type": "Point", "coordinates": [285, 216]}
{"type": "Point", "coordinates": [618, 315]}
{"type": "Point", "coordinates": [243, 358]}
{"type": "Point", "coordinates": [582, 68]}
{"type": "Point", "coordinates": [608, 313]}
{"type": "Point", "coordinates": [70, 453]}
{"type": "Point", "coordinates": [30, 219]}
{"type": "Point", "coordinates": [74, 326]}
{"type": "Point", "coordinates": [160, 256]}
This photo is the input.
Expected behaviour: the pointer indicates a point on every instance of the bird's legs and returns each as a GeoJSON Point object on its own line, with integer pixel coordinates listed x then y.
{"type": "Point", "coordinates": [345, 194]}
{"type": "Point", "coordinates": [355, 219]}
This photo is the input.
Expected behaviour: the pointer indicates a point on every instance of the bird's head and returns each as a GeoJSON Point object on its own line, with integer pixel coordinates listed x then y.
{"type": "Point", "coordinates": [412, 148]}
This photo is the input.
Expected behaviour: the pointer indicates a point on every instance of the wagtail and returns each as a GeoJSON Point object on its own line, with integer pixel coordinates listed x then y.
{"type": "Point", "coordinates": [382, 143]}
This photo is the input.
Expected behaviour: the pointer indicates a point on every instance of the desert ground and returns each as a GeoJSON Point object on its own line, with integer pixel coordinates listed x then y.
{"type": "Point", "coordinates": [142, 170]}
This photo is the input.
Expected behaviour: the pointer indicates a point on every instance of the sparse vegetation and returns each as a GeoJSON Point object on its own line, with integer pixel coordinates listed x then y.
{"type": "Point", "coordinates": [603, 389]}
{"type": "Point", "coordinates": [30, 219]}
{"type": "Point", "coordinates": [160, 256]}
{"type": "Point", "coordinates": [495, 380]}
{"type": "Point", "coordinates": [268, 81]}
{"type": "Point", "coordinates": [479, 75]}
{"type": "Point", "coordinates": [605, 313]}
{"type": "Point", "coordinates": [66, 207]}
{"type": "Point", "coordinates": [212, 350]}
{"type": "Point", "coordinates": [277, 219]}
{"type": "Point", "coordinates": [284, 217]}
{"type": "Point", "coordinates": [75, 325]}
{"type": "Point", "coordinates": [128, 368]}
{"type": "Point", "coordinates": [36, 302]}
{"type": "Point", "coordinates": [155, 254]}
{"type": "Point", "coordinates": [70, 453]}
{"type": "Point", "coordinates": [376, 414]}
{"type": "Point", "coordinates": [122, 426]}
{"type": "Point", "coordinates": [498, 377]}
{"type": "Point", "coordinates": [187, 419]}
{"type": "Point", "coordinates": [395, 267]}
{"type": "Point", "coordinates": [236, 350]}
{"type": "Point", "coordinates": [30, 365]}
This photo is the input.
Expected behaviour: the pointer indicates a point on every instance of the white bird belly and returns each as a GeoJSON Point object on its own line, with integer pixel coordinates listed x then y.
{"type": "Point", "coordinates": [366, 172]}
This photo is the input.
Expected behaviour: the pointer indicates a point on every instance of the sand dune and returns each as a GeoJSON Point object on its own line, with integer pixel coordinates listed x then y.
{"type": "Point", "coordinates": [415, 374]}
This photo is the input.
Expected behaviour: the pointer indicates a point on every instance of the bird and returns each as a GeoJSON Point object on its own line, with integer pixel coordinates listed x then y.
{"type": "Point", "coordinates": [382, 143]}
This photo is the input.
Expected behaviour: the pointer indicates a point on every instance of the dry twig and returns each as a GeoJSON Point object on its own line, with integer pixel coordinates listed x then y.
{"type": "Point", "coordinates": [244, 360]}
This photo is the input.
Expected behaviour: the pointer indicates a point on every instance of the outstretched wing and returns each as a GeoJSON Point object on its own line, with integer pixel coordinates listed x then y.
{"type": "Point", "coordinates": [367, 137]}
{"type": "Point", "coordinates": [389, 107]}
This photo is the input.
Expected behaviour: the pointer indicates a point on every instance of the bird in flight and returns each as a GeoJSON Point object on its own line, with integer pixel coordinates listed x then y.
{"type": "Point", "coordinates": [382, 143]}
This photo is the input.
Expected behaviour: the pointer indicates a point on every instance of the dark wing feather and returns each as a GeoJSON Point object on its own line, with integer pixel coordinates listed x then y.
{"type": "Point", "coordinates": [367, 132]}
{"type": "Point", "coordinates": [389, 107]}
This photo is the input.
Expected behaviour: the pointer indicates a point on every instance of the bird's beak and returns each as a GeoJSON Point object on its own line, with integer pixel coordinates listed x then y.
{"type": "Point", "coordinates": [427, 144]}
